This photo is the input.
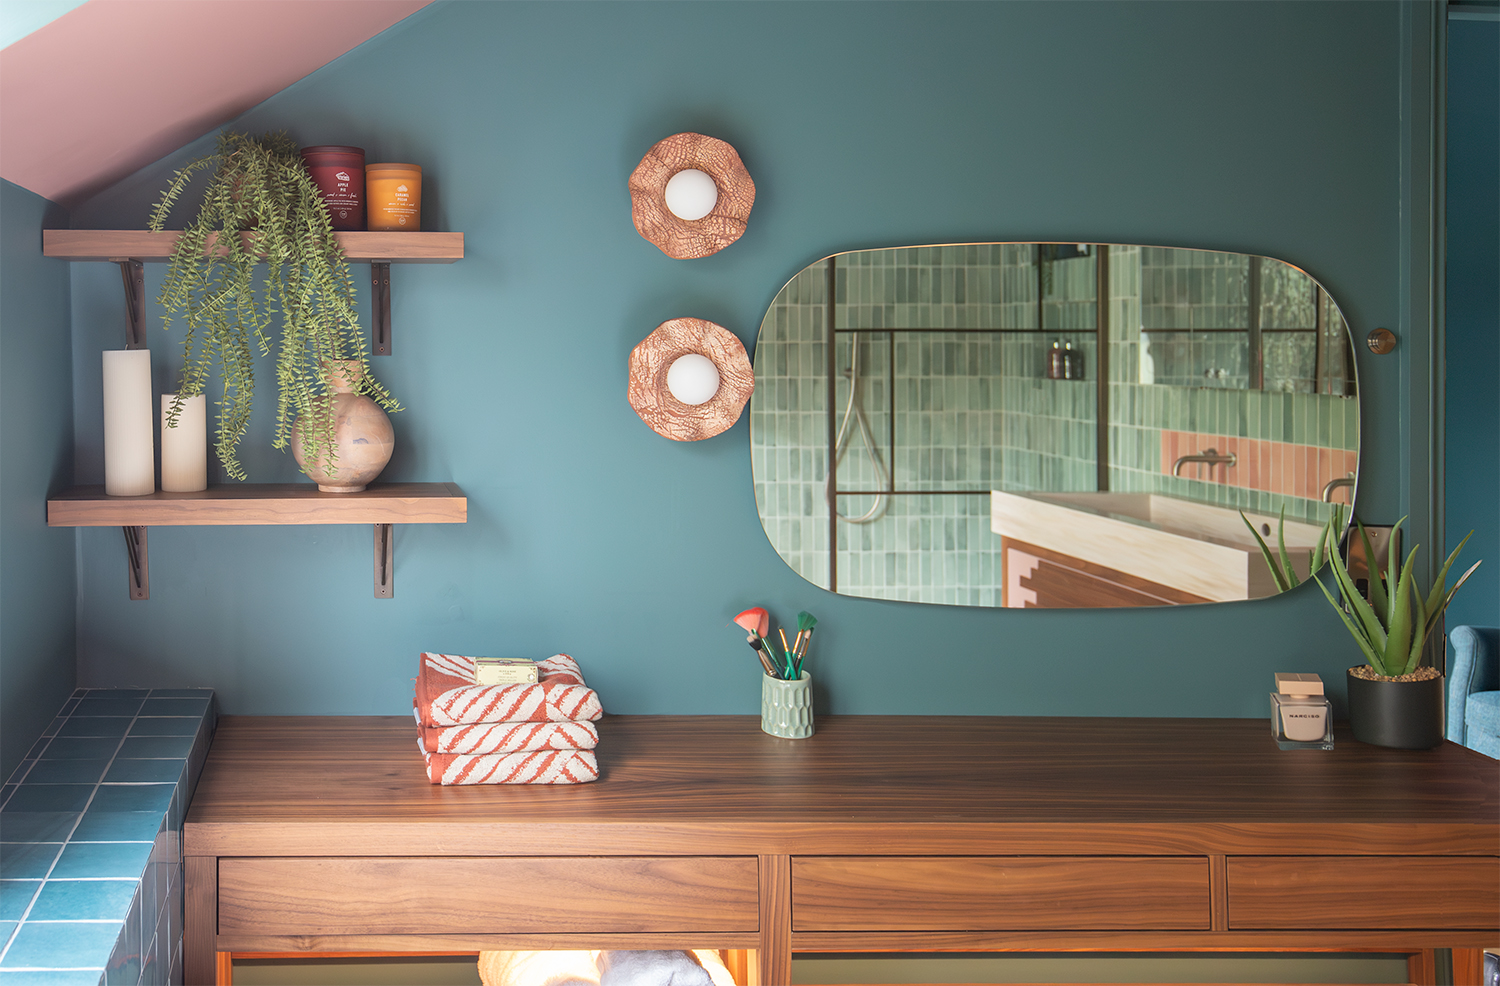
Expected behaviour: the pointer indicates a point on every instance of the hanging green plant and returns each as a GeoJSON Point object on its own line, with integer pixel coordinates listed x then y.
{"type": "Point", "coordinates": [262, 208]}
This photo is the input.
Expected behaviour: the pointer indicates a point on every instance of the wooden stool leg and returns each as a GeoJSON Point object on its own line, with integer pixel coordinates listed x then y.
{"type": "Point", "coordinates": [1421, 968]}
{"type": "Point", "coordinates": [223, 969]}
{"type": "Point", "coordinates": [1468, 967]}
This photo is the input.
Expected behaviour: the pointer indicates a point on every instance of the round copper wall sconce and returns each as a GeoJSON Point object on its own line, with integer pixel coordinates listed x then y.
{"type": "Point", "coordinates": [691, 218]}
{"type": "Point", "coordinates": [707, 366]}
{"type": "Point", "coordinates": [1381, 341]}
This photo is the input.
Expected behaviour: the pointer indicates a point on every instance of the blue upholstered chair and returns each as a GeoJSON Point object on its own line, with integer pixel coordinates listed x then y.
{"type": "Point", "coordinates": [1474, 689]}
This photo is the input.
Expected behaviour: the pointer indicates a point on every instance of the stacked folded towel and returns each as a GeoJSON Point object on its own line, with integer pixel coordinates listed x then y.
{"type": "Point", "coordinates": [541, 733]}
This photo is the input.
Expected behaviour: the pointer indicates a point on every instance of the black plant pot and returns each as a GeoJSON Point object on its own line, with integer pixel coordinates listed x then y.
{"type": "Point", "coordinates": [1407, 715]}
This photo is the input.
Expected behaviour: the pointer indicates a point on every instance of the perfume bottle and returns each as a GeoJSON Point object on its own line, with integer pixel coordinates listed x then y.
{"type": "Point", "coordinates": [1301, 715]}
{"type": "Point", "coordinates": [1056, 362]}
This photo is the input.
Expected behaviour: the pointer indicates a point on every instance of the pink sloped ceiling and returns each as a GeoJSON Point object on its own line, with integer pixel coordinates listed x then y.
{"type": "Point", "coordinates": [113, 85]}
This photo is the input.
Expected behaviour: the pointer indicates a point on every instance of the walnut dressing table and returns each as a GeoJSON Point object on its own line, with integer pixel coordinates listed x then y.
{"type": "Point", "coordinates": [880, 833]}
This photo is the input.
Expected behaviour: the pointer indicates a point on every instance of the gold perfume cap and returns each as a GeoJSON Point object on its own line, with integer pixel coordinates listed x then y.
{"type": "Point", "coordinates": [1298, 684]}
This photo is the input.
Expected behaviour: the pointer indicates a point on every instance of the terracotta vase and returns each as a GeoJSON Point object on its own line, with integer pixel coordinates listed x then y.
{"type": "Point", "coordinates": [363, 435]}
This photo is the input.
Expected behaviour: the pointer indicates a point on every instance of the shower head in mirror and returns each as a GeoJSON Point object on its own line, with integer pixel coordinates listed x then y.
{"type": "Point", "coordinates": [691, 196]}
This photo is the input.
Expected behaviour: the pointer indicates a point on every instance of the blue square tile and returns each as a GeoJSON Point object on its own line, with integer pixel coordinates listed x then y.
{"type": "Point", "coordinates": [113, 726]}
{"type": "Point", "coordinates": [67, 708]}
{"type": "Point", "coordinates": [182, 693]}
{"type": "Point", "coordinates": [67, 772]}
{"type": "Point", "coordinates": [6, 791]}
{"type": "Point", "coordinates": [83, 900]}
{"type": "Point", "coordinates": [37, 748]}
{"type": "Point", "coordinates": [27, 860]}
{"type": "Point", "coordinates": [36, 826]}
{"type": "Point", "coordinates": [79, 943]}
{"type": "Point", "coordinates": [166, 726]}
{"type": "Point", "coordinates": [108, 707]}
{"type": "Point", "coordinates": [49, 977]}
{"type": "Point", "coordinates": [6, 927]}
{"type": "Point", "coordinates": [124, 966]}
{"type": "Point", "coordinates": [133, 797]}
{"type": "Point", "coordinates": [15, 897]}
{"type": "Point", "coordinates": [156, 746]}
{"type": "Point", "coordinates": [71, 748]}
{"type": "Point", "coordinates": [118, 826]}
{"type": "Point", "coordinates": [52, 727]}
{"type": "Point", "coordinates": [50, 797]}
{"type": "Point", "coordinates": [118, 692]}
{"type": "Point", "coordinates": [80, 860]}
{"type": "Point", "coordinates": [175, 707]}
{"type": "Point", "coordinates": [144, 771]}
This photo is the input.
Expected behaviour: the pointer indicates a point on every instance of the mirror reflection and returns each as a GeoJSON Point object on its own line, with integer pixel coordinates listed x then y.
{"type": "Point", "coordinates": [969, 425]}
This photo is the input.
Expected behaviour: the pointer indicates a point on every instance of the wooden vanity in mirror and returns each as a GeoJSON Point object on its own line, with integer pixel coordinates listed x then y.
{"type": "Point", "coordinates": [318, 835]}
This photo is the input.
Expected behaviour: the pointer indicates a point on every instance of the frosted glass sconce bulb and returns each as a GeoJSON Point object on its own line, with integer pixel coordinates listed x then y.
{"type": "Point", "coordinates": [691, 194]}
{"type": "Point", "coordinates": [693, 379]}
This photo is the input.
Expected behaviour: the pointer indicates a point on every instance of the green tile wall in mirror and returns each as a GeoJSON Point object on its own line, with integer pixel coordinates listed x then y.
{"type": "Point", "coordinates": [968, 424]}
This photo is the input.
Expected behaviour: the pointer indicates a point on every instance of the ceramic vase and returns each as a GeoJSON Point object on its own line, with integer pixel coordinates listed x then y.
{"type": "Point", "coordinates": [786, 707]}
{"type": "Point", "coordinates": [1406, 715]}
{"type": "Point", "coordinates": [363, 435]}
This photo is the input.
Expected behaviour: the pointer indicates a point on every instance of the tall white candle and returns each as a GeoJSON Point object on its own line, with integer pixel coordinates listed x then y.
{"type": "Point", "coordinates": [129, 425]}
{"type": "Point", "coordinates": [184, 449]}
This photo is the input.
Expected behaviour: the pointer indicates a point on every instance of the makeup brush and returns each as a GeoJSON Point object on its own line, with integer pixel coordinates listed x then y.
{"type": "Point", "coordinates": [765, 661]}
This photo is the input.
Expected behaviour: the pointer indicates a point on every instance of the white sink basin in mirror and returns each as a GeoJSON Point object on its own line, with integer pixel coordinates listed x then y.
{"type": "Point", "coordinates": [1110, 546]}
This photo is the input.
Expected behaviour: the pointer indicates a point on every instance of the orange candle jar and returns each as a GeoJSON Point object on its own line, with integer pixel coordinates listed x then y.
{"type": "Point", "coordinates": [393, 196]}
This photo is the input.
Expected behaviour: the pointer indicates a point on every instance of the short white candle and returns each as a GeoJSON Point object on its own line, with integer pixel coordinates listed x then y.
{"type": "Point", "coordinates": [693, 379]}
{"type": "Point", "coordinates": [129, 425]}
{"type": "Point", "coordinates": [691, 194]}
{"type": "Point", "coordinates": [184, 449]}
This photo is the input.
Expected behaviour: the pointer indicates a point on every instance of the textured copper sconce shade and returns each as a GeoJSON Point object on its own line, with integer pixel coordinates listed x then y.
{"type": "Point", "coordinates": [666, 415]}
{"type": "Point", "coordinates": [689, 239]}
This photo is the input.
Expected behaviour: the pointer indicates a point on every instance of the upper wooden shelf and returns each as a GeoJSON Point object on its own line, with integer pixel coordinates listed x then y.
{"type": "Point", "coordinates": [359, 247]}
{"type": "Point", "coordinates": [261, 503]}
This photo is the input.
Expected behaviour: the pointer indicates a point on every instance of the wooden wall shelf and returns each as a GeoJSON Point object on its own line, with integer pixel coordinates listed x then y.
{"type": "Point", "coordinates": [359, 247]}
{"type": "Point", "coordinates": [261, 503]}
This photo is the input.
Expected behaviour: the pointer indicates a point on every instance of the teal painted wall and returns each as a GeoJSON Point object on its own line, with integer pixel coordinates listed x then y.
{"type": "Point", "coordinates": [1473, 309]}
{"type": "Point", "coordinates": [37, 670]}
{"type": "Point", "coordinates": [1267, 128]}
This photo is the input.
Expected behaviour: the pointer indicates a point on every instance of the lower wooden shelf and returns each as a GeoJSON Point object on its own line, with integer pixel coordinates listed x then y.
{"type": "Point", "coordinates": [261, 503]}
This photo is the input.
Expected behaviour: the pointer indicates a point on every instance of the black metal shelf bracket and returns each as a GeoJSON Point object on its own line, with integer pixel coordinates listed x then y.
{"type": "Point", "coordinates": [385, 561]}
{"type": "Point", "coordinates": [140, 572]}
{"type": "Point", "coordinates": [133, 273]}
{"type": "Point", "coordinates": [380, 308]}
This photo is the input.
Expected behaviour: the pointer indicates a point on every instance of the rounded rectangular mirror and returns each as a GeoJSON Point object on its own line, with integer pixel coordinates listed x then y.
{"type": "Point", "coordinates": [968, 424]}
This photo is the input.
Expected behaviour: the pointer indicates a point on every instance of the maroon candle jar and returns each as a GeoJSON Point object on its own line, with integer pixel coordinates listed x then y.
{"type": "Point", "coordinates": [339, 173]}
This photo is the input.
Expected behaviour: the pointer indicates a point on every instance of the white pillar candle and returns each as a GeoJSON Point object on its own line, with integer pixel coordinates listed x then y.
{"type": "Point", "coordinates": [129, 425]}
{"type": "Point", "coordinates": [184, 449]}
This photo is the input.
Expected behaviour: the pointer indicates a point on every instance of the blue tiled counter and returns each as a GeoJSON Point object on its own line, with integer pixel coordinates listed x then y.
{"type": "Point", "coordinates": [91, 837]}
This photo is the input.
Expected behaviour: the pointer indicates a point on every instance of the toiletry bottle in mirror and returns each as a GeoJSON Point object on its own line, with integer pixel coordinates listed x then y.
{"type": "Point", "coordinates": [1072, 363]}
{"type": "Point", "coordinates": [1301, 715]}
{"type": "Point", "coordinates": [1057, 368]}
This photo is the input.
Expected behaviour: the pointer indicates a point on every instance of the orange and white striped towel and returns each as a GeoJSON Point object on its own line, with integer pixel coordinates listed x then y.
{"type": "Point", "coordinates": [534, 767]}
{"type": "Point", "coordinates": [507, 737]}
{"type": "Point", "coordinates": [447, 695]}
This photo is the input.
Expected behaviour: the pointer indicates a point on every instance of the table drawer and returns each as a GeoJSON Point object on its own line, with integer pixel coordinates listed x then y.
{"type": "Point", "coordinates": [990, 893]}
{"type": "Point", "coordinates": [1363, 892]}
{"type": "Point", "coordinates": [486, 895]}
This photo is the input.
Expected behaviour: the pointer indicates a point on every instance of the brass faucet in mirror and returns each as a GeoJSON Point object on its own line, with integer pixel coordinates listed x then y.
{"type": "Point", "coordinates": [969, 425]}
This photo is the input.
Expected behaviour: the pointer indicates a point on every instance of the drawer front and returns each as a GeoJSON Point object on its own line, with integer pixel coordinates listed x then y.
{"type": "Point", "coordinates": [1363, 892]}
{"type": "Point", "coordinates": [989, 893]}
{"type": "Point", "coordinates": [486, 895]}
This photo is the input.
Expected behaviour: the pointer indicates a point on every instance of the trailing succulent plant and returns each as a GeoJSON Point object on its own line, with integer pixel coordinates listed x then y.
{"type": "Point", "coordinates": [1392, 626]}
{"type": "Point", "coordinates": [261, 207]}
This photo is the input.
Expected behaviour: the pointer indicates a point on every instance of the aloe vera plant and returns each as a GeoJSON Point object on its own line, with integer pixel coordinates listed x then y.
{"type": "Point", "coordinates": [1392, 627]}
{"type": "Point", "coordinates": [1281, 568]}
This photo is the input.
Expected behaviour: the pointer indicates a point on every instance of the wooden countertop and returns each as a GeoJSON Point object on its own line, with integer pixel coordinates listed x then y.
{"type": "Point", "coordinates": [310, 785]}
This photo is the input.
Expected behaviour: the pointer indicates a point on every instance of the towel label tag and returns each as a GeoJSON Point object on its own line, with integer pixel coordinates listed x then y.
{"type": "Point", "coordinates": [504, 671]}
